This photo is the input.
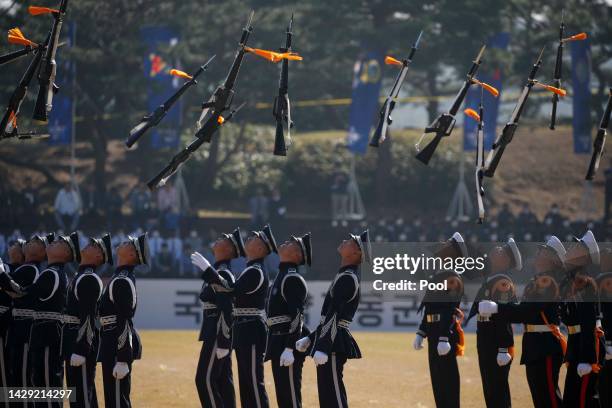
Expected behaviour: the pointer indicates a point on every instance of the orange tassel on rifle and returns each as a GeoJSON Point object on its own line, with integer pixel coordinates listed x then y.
{"type": "Point", "coordinates": [490, 89]}
{"type": "Point", "coordinates": [472, 114]}
{"type": "Point", "coordinates": [599, 334]}
{"type": "Point", "coordinates": [180, 74]}
{"type": "Point", "coordinates": [461, 343]}
{"type": "Point", "coordinates": [274, 56]}
{"type": "Point", "coordinates": [556, 332]}
{"type": "Point", "coordinates": [36, 10]}
{"type": "Point", "coordinates": [558, 91]}
{"type": "Point", "coordinates": [15, 36]}
{"type": "Point", "coordinates": [577, 37]}
{"type": "Point", "coordinates": [392, 61]}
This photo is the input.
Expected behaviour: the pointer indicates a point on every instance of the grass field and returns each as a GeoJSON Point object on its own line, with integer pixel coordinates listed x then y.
{"type": "Point", "coordinates": [390, 374]}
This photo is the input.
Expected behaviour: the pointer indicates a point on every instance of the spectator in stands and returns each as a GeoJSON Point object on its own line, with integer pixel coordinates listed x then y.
{"type": "Point", "coordinates": [168, 206]}
{"type": "Point", "coordinates": [90, 202]}
{"type": "Point", "coordinates": [155, 243]}
{"type": "Point", "coordinates": [553, 219]}
{"type": "Point", "coordinates": [505, 216]}
{"type": "Point", "coordinates": [114, 203]}
{"type": "Point", "coordinates": [194, 241]}
{"type": "Point", "coordinates": [259, 209]}
{"type": "Point", "coordinates": [164, 262]}
{"type": "Point", "coordinates": [68, 207]}
{"type": "Point", "coordinates": [526, 217]}
{"type": "Point", "coordinates": [175, 245]}
{"type": "Point", "coordinates": [278, 211]}
{"type": "Point", "coordinates": [339, 198]}
{"type": "Point", "coordinates": [140, 204]}
{"type": "Point", "coordinates": [186, 266]}
{"type": "Point", "coordinates": [29, 201]}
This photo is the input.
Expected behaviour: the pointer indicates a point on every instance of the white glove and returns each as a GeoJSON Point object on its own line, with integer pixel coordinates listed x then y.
{"type": "Point", "coordinates": [487, 308]}
{"type": "Point", "coordinates": [418, 342]}
{"type": "Point", "coordinates": [198, 260]}
{"type": "Point", "coordinates": [503, 359]}
{"type": "Point", "coordinates": [120, 370]}
{"type": "Point", "coordinates": [444, 347]}
{"type": "Point", "coordinates": [584, 369]}
{"type": "Point", "coordinates": [76, 360]}
{"type": "Point", "coordinates": [2, 267]}
{"type": "Point", "coordinates": [608, 352]}
{"type": "Point", "coordinates": [221, 352]}
{"type": "Point", "coordinates": [302, 344]}
{"type": "Point", "coordinates": [319, 358]}
{"type": "Point", "coordinates": [286, 357]}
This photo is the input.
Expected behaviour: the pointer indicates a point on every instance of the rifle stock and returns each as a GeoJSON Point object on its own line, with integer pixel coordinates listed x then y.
{"type": "Point", "coordinates": [598, 146]}
{"type": "Point", "coordinates": [425, 155]}
{"type": "Point", "coordinates": [280, 149]}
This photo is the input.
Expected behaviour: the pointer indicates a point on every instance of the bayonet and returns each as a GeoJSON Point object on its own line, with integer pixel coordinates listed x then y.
{"type": "Point", "coordinates": [600, 140]}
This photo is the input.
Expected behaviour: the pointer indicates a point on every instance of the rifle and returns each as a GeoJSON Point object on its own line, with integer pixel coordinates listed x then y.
{"type": "Point", "coordinates": [282, 106]}
{"type": "Point", "coordinates": [15, 36]}
{"type": "Point", "coordinates": [499, 146]}
{"type": "Point", "coordinates": [184, 155]}
{"type": "Point", "coordinates": [154, 118]}
{"type": "Point", "coordinates": [8, 125]}
{"type": "Point", "coordinates": [444, 124]}
{"type": "Point", "coordinates": [221, 100]}
{"type": "Point", "coordinates": [600, 140]}
{"type": "Point", "coordinates": [385, 120]}
{"type": "Point", "coordinates": [48, 66]}
{"type": "Point", "coordinates": [559, 65]}
{"type": "Point", "coordinates": [478, 176]}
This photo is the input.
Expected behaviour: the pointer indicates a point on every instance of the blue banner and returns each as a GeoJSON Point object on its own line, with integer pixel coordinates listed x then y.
{"type": "Point", "coordinates": [157, 65]}
{"type": "Point", "coordinates": [364, 105]}
{"type": "Point", "coordinates": [494, 78]}
{"type": "Point", "coordinates": [581, 99]}
{"type": "Point", "coordinates": [60, 117]}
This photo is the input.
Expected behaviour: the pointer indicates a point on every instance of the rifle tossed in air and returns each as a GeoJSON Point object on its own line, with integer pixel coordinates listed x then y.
{"type": "Point", "coordinates": [444, 124]}
{"type": "Point", "coordinates": [385, 120]}
{"type": "Point", "coordinates": [178, 160]}
{"type": "Point", "coordinates": [600, 140]}
{"type": "Point", "coordinates": [154, 118]}
{"type": "Point", "coordinates": [48, 67]}
{"type": "Point", "coordinates": [8, 125]}
{"type": "Point", "coordinates": [505, 137]}
{"type": "Point", "coordinates": [211, 118]}
{"type": "Point", "coordinates": [558, 67]}
{"type": "Point", "coordinates": [282, 106]}
{"type": "Point", "coordinates": [15, 36]}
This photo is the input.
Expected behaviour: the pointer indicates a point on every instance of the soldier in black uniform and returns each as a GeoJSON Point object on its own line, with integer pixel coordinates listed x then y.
{"type": "Point", "coordinates": [214, 373]}
{"type": "Point", "coordinates": [18, 337]}
{"type": "Point", "coordinates": [286, 321]}
{"type": "Point", "coordinates": [16, 258]}
{"type": "Point", "coordinates": [494, 336]}
{"type": "Point", "coordinates": [249, 330]}
{"type": "Point", "coordinates": [543, 343]}
{"type": "Point", "coordinates": [119, 341]}
{"type": "Point", "coordinates": [48, 292]}
{"type": "Point", "coordinates": [441, 325]}
{"type": "Point", "coordinates": [81, 334]}
{"type": "Point", "coordinates": [604, 283]}
{"type": "Point", "coordinates": [579, 313]}
{"type": "Point", "coordinates": [332, 343]}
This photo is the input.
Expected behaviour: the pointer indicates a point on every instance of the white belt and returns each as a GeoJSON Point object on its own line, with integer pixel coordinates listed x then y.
{"type": "Point", "coordinates": [23, 313]}
{"type": "Point", "coordinates": [344, 323]}
{"type": "Point", "coordinates": [537, 328]}
{"type": "Point", "coordinates": [49, 316]}
{"type": "Point", "coordinates": [71, 319]}
{"type": "Point", "coordinates": [4, 309]}
{"type": "Point", "coordinates": [208, 306]}
{"type": "Point", "coordinates": [249, 311]}
{"type": "Point", "coordinates": [278, 320]}
{"type": "Point", "coordinates": [484, 318]}
{"type": "Point", "coordinates": [106, 320]}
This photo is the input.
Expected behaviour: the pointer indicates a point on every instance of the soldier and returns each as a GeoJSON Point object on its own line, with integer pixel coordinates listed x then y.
{"type": "Point", "coordinates": [579, 313]}
{"type": "Point", "coordinates": [332, 343]}
{"type": "Point", "coordinates": [16, 258]}
{"type": "Point", "coordinates": [119, 341]}
{"type": "Point", "coordinates": [48, 292]}
{"type": "Point", "coordinates": [18, 337]}
{"type": "Point", "coordinates": [604, 282]}
{"type": "Point", "coordinates": [214, 373]}
{"type": "Point", "coordinates": [249, 329]}
{"type": "Point", "coordinates": [441, 325]}
{"type": "Point", "coordinates": [286, 321]}
{"type": "Point", "coordinates": [494, 336]}
{"type": "Point", "coordinates": [543, 343]}
{"type": "Point", "coordinates": [81, 334]}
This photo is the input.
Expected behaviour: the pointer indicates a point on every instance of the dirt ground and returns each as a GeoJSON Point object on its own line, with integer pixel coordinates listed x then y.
{"type": "Point", "coordinates": [390, 374]}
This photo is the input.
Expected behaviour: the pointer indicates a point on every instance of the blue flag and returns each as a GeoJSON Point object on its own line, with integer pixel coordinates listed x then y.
{"type": "Point", "coordinates": [581, 100]}
{"type": "Point", "coordinates": [366, 90]}
{"type": "Point", "coordinates": [60, 117]}
{"type": "Point", "coordinates": [490, 103]}
{"type": "Point", "coordinates": [157, 68]}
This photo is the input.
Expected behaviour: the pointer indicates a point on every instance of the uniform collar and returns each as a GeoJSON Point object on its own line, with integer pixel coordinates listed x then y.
{"type": "Point", "coordinates": [347, 268]}
{"type": "Point", "coordinates": [255, 261]}
{"type": "Point", "coordinates": [223, 264]}
{"type": "Point", "coordinates": [56, 265]}
{"type": "Point", "coordinates": [83, 268]}
{"type": "Point", "coordinates": [125, 268]}
{"type": "Point", "coordinates": [286, 266]}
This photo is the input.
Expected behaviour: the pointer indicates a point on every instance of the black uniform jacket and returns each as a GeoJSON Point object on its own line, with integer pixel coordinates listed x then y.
{"type": "Point", "coordinates": [339, 308]}
{"type": "Point", "coordinates": [217, 313]}
{"type": "Point", "coordinates": [580, 317]}
{"type": "Point", "coordinates": [286, 310]}
{"type": "Point", "coordinates": [119, 338]}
